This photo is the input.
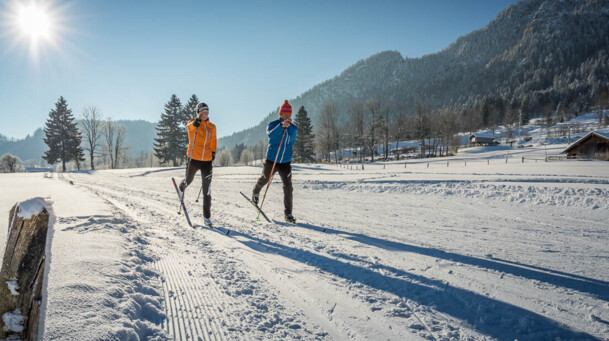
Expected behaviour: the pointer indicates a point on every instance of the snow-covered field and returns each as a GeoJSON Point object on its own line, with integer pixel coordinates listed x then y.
{"type": "Point", "coordinates": [475, 249]}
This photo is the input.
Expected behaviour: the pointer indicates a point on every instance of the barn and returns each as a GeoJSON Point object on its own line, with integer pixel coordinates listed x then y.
{"type": "Point", "coordinates": [594, 145]}
{"type": "Point", "coordinates": [482, 139]}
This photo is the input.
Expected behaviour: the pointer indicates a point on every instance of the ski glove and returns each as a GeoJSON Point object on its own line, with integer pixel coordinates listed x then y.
{"type": "Point", "coordinates": [197, 122]}
{"type": "Point", "coordinates": [213, 156]}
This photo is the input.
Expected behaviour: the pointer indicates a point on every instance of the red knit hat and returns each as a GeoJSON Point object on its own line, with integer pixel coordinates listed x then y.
{"type": "Point", "coordinates": [285, 108]}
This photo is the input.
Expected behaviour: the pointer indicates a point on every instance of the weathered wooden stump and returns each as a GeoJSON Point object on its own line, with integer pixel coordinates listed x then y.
{"type": "Point", "coordinates": [22, 274]}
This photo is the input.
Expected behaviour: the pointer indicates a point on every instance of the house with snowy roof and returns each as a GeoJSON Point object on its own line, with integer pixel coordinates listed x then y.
{"type": "Point", "coordinates": [482, 139]}
{"type": "Point", "coordinates": [594, 145]}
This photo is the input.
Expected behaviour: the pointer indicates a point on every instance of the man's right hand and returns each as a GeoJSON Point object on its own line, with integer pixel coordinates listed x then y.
{"type": "Point", "coordinates": [197, 122]}
{"type": "Point", "coordinates": [286, 123]}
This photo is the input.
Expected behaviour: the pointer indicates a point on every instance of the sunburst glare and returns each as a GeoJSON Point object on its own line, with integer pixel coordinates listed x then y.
{"type": "Point", "coordinates": [33, 28]}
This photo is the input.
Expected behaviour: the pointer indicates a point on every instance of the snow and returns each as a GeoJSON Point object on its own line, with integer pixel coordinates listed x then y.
{"type": "Point", "coordinates": [479, 246]}
{"type": "Point", "coordinates": [13, 321]}
{"type": "Point", "coordinates": [13, 286]}
{"type": "Point", "coordinates": [31, 207]}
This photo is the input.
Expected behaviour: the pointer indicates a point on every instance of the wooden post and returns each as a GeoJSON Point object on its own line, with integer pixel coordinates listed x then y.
{"type": "Point", "coordinates": [22, 274]}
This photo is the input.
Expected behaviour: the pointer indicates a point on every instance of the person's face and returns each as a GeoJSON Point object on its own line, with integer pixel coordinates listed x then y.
{"type": "Point", "coordinates": [204, 114]}
{"type": "Point", "coordinates": [285, 117]}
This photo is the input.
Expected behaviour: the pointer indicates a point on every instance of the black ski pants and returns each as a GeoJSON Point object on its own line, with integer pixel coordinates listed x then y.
{"type": "Point", "coordinates": [206, 169]}
{"type": "Point", "coordinates": [285, 172]}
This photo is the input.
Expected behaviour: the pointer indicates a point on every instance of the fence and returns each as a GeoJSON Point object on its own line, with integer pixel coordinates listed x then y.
{"type": "Point", "coordinates": [453, 163]}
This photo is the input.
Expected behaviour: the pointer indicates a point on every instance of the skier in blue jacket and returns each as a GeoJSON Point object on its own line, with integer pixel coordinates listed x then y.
{"type": "Point", "coordinates": [279, 158]}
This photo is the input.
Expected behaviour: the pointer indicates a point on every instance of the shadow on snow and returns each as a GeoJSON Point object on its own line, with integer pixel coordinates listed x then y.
{"type": "Point", "coordinates": [487, 315]}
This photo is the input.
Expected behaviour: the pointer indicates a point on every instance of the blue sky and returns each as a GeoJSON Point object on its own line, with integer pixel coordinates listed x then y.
{"type": "Point", "coordinates": [243, 58]}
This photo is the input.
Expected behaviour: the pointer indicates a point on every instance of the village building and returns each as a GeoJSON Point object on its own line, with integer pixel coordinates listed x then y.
{"type": "Point", "coordinates": [594, 145]}
{"type": "Point", "coordinates": [482, 139]}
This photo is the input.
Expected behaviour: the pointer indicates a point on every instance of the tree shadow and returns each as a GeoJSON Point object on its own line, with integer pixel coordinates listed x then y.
{"type": "Point", "coordinates": [594, 287]}
{"type": "Point", "coordinates": [487, 315]}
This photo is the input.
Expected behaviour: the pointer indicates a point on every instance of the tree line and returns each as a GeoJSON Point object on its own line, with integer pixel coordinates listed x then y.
{"type": "Point", "coordinates": [67, 140]}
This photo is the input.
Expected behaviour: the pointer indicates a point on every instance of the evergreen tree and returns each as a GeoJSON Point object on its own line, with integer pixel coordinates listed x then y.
{"type": "Point", "coordinates": [62, 136]}
{"type": "Point", "coordinates": [236, 151]}
{"type": "Point", "coordinates": [304, 147]}
{"type": "Point", "coordinates": [169, 145]}
{"type": "Point", "coordinates": [190, 110]}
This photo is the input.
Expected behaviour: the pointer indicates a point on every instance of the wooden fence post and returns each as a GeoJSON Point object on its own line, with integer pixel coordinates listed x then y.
{"type": "Point", "coordinates": [22, 274]}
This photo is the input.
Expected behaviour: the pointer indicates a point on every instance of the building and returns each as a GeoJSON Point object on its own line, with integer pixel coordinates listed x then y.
{"type": "Point", "coordinates": [594, 145]}
{"type": "Point", "coordinates": [482, 139]}
{"type": "Point", "coordinates": [38, 169]}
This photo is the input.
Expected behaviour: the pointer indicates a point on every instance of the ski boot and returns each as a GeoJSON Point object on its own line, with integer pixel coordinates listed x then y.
{"type": "Point", "coordinates": [290, 219]}
{"type": "Point", "coordinates": [208, 222]}
{"type": "Point", "coordinates": [256, 198]}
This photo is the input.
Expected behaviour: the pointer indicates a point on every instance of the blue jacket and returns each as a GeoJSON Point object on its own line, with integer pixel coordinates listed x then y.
{"type": "Point", "coordinates": [275, 131]}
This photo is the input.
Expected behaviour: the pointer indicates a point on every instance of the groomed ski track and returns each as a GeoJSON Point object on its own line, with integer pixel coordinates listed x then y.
{"type": "Point", "coordinates": [417, 270]}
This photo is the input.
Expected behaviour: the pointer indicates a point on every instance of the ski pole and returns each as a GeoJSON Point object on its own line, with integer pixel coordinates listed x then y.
{"type": "Point", "coordinates": [272, 173]}
{"type": "Point", "coordinates": [188, 165]}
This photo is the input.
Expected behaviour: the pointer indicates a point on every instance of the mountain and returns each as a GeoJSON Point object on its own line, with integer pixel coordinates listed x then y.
{"type": "Point", "coordinates": [533, 53]}
{"type": "Point", "coordinates": [139, 137]}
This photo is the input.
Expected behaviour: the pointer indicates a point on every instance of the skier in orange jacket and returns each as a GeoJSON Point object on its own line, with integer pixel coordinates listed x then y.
{"type": "Point", "coordinates": [201, 153]}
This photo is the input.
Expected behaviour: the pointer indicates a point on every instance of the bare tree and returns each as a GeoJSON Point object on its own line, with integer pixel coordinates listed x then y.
{"type": "Point", "coordinates": [225, 158]}
{"type": "Point", "coordinates": [509, 119]}
{"type": "Point", "coordinates": [373, 125]}
{"type": "Point", "coordinates": [92, 131]}
{"type": "Point", "coordinates": [247, 156]}
{"type": "Point", "coordinates": [9, 163]}
{"type": "Point", "coordinates": [114, 140]}
{"type": "Point", "coordinates": [601, 101]}
{"type": "Point", "coordinates": [385, 124]}
{"type": "Point", "coordinates": [356, 127]}
{"type": "Point", "coordinates": [327, 136]}
{"type": "Point", "coordinates": [422, 125]}
{"type": "Point", "coordinates": [259, 150]}
{"type": "Point", "coordinates": [399, 128]}
{"type": "Point", "coordinates": [448, 127]}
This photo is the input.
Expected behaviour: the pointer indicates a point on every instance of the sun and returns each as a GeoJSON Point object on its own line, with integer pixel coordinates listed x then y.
{"type": "Point", "coordinates": [34, 22]}
{"type": "Point", "coordinates": [34, 27]}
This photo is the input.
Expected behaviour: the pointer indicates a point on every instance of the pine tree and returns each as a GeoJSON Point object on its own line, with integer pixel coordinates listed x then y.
{"type": "Point", "coordinates": [62, 136]}
{"type": "Point", "coordinates": [190, 110]}
{"type": "Point", "coordinates": [304, 146]}
{"type": "Point", "coordinates": [169, 145]}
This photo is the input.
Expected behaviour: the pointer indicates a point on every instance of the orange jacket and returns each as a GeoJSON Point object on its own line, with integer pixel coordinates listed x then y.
{"type": "Point", "coordinates": [205, 143]}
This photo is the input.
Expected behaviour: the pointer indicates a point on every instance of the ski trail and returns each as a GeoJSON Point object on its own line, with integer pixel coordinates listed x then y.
{"type": "Point", "coordinates": [209, 294]}
{"type": "Point", "coordinates": [192, 305]}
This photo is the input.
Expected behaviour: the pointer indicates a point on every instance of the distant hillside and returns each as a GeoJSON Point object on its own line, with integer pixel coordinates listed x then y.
{"type": "Point", "coordinates": [140, 137]}
{"type": "Point", "coordinates": [533, 53]}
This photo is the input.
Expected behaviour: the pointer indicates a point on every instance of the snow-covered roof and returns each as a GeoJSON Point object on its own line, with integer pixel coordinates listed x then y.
{"type": "Point", "coordinates": [602, 133]}
{"type": "Point", "coordinates": [485, 135]}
